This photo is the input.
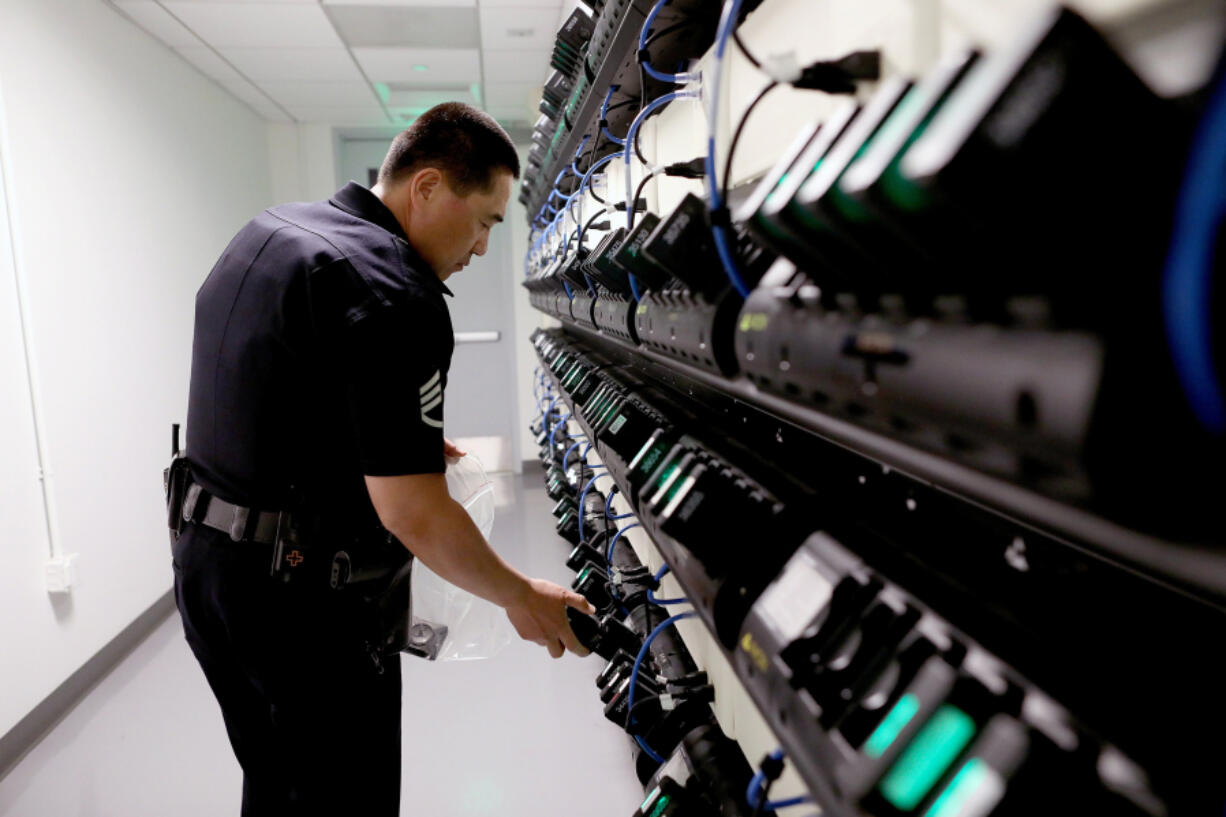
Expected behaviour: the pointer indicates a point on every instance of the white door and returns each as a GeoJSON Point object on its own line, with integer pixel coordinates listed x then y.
{"type": "Point", "coordinates": [481, 410]}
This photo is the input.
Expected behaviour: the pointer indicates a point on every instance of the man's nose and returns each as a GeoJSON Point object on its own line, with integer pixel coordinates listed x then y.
{"type": "Point", "coordinates": [480, 247]}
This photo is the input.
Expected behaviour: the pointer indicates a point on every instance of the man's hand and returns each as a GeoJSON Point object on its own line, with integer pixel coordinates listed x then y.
{"type": "Point", "coordinates": [539, 616]}
{"type": "Point", "coordinates": [451, 451]}
{"type": "Point", "coordinates": [417, 509]}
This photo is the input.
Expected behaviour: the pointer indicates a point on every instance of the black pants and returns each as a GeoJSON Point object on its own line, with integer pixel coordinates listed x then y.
{"type": "Point", "coordinates": [314, 721]}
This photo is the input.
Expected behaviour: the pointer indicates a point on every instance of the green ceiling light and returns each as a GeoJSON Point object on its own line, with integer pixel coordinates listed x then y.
{"type": "Point", "coordinates": [475, 90]}
{"type": "Point", "coordinates": [421, 68]}
{"type": "Point", "coordinates": [383, 91]}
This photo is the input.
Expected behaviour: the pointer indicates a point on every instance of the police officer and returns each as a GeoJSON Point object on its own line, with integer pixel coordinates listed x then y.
{"type": "Point", "coordinates": [319, 365]}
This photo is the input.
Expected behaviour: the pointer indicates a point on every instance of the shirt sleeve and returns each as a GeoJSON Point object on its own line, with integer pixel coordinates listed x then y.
{"type": "Point", "coordinates": [397, 373]}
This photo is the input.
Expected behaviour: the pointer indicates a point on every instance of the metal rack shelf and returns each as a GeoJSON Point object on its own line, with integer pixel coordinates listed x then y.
{"type": "Point", "coordinates": [1195, 569]}
{"type": "Point", "coordinates": [620, 56]}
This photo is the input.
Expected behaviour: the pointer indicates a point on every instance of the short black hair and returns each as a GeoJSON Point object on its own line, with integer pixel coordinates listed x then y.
{"type": "Point", "coordinates": [460, 140]}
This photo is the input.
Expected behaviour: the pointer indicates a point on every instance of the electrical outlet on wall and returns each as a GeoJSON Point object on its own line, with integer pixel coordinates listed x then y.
{"type": "Point", "coordinates": [62, 573]}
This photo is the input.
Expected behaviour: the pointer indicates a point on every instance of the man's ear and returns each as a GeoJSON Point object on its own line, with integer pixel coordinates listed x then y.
{"type": "Point", "coordinates": [426, 182]}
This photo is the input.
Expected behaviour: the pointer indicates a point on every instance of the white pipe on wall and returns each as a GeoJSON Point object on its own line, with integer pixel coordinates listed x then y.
{"type": "Point", "coordinates": [45, 473]}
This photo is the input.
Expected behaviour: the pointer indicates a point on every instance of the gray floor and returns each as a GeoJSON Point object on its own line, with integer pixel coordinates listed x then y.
{"type": "Point", "coordinates": [516, 735]}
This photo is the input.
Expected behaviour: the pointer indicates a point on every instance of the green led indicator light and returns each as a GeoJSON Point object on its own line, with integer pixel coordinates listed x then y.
{"type": "Point", "coordinates": [806, 216]}
{"type": "Point", "coordinates": [923, 762]}
{"type": "Point", "coordinates": [889, 729]}
{"type": "Point", "coordinates": [649, 459]}
{"type": "Point", "coordinates": [902, 117]}
{"type": "Point", "coordinates": [676, 486]}
{"type": "Point", "coordinates": [975, 789]}
{"type": "Point", "coordinates": [899, 189]}
{"type": "Point", "coordinates": [583, 574]}
{"type": "Point", "coordinates": [642, 452]}
{"type": "Point", "coordinates": [846, 205]}
{"type": "Point", "coordinates": [660, 806]}
{"type": "Point", "coordinates": [654, 794]}
{"type": "Point", "coordinates": [668, 474]}
{"type": "Point", "coordinates": [775, 192]}
{"type": "Point", "coordinates": [902, 191]}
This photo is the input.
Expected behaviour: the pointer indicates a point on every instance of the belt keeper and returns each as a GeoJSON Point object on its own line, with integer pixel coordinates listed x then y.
{"type": "Point", "coordinates": [238, 526]}
{"type": "Point", "coordinates": [190, 501]}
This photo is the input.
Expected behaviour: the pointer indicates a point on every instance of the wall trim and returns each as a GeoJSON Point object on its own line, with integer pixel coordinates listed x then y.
{"type": "Point", "coordinates": [30, 730]}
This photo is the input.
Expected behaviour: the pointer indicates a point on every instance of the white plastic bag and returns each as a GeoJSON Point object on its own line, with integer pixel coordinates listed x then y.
{"type": "Point", "coordinates": [450, 624]}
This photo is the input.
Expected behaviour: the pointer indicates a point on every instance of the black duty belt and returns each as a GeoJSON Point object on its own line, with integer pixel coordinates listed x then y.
{"type": "Point", "coordinates": [243, 524]}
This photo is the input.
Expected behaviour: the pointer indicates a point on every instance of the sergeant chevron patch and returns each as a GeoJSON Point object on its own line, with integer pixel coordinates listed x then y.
{"type": "Point", "coordinates": [431, 399]}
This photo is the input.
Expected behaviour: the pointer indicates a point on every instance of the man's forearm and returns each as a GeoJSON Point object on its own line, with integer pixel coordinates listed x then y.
{"type": "Point", "coordinates": [448, 542]}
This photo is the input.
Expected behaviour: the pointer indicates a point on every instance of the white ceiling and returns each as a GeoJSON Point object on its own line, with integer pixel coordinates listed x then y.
{"type": "Point", "coordinates": [289, 60]}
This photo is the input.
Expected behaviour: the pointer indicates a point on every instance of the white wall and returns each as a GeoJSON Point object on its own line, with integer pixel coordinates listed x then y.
{"type": "Point", "coordinates": [303, 162]}
{"type": "Point", "coordinates": [127, 173]}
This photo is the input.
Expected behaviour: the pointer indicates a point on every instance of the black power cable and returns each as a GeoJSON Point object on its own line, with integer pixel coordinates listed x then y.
{"type": "Point", "coordinates": [736, 136]}
{"type": "Point", "coordinates": [653, 37]}
{"type": "Point", "coordinates": [638, 148]}
{"type": "Point", "coordinates": [692, 169]}
{"type": "Point", "coordinates": [664, 32]}
{"type": "Point", "coordinates": [596, 140]}
{"type": "Point", "coordinates": [736, 38]}
{"type": "Point", "coordinates": [638, 191]}
{"type": "Point", "coordinates": [583, 230]}
{"type": "Point", "coordinates": [591, 188]}
{"type": "Point", "coordinates": [829, 76]}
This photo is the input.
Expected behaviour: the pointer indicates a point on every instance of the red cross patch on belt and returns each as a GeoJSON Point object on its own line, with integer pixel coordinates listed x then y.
{"type": "Point", "coordinates": [294, 558]}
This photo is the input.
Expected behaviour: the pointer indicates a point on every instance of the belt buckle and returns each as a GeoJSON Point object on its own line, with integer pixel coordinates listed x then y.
{"type": "Point", "coordinates": [190, 501]}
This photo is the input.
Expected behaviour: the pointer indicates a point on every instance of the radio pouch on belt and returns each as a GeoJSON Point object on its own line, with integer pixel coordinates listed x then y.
{"type": "Point", "coordinates": [175, 479]}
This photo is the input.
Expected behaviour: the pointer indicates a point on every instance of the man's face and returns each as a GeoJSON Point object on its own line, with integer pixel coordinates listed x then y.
{"type": "Point", "coordinates": [448, 229]}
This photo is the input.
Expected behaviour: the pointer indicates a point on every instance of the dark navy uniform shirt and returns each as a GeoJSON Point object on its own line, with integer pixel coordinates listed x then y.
{"type": "Point", "coordinates": [321, 350]}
